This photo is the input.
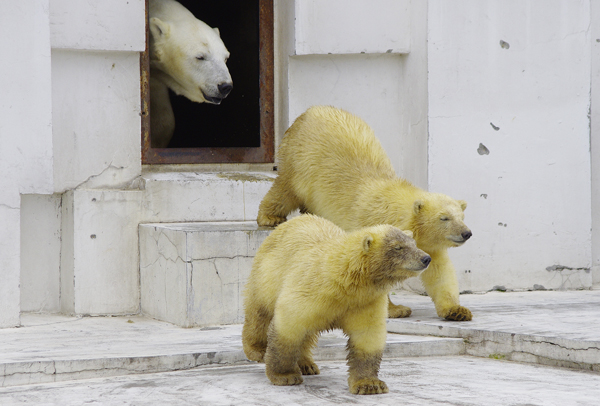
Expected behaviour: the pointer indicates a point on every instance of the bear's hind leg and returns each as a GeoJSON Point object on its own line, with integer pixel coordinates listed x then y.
{"type": "Point", "coordinates": [254, 333]}
{"type": "Point", "coordinates": [281, 358]}
{"type": "Point", "coordinates": [306, 362]}
{"type": "Point", "coordinates": [276, 205]}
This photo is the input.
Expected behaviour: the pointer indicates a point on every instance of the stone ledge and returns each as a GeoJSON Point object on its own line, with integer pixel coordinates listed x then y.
{"type": "Point", "coordinates": [59, 348]}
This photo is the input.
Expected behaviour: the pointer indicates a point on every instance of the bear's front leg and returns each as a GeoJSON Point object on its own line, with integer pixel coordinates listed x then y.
{"type": "Point", "coordinates": [366, 333]}
{"type": "Point", "coordinates": [281, 358]}
{"type": "Point", "coordinates": [277, 204]}
{"type": "Point", "coordinates": [441, 285]}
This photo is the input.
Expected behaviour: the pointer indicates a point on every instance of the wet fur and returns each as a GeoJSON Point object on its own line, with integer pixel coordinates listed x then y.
{"type": "Point", "coordinates": [310, 276]}
{"type": "Point", "coordinates": [332, 165]}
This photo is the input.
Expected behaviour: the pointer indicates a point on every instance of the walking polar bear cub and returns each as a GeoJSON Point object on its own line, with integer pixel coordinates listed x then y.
{"type": "Point", "coordinates": [331, 165]}
{"type": "Point", "coordinates": [186, 56]}
{"type": "Point", "coordinates": [310, 276]}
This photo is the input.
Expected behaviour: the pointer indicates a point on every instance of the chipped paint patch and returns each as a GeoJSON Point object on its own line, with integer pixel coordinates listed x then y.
{"type": "Point", "coordinates": [482, 150]}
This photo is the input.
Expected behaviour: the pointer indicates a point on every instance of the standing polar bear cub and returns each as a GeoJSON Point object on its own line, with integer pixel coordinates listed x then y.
{"type": "Point", "coordinates": [310, 276]}
{"type": "Point", "coordinates": [331, 165]}
{"type": "Point", "coordinates": [186, 56]}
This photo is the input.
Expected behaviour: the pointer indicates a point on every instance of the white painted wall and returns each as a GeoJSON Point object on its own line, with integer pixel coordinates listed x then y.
{"type": "Point", "coordinates": [351, 27]}
{"type": "Point", "coordinates": [367, 57]}
{"type": "Point", "coordinates": [595, 139]}
{"type": "Point", "coordinates": [94, 75]}
{"type": "Point", "coordinates": [25, 132]}
{"type": "Point", "coordinates": [40, 252]}
{"type": "Point", "coordinates": [527, 102]}
{"type": "Point", "coordinates": [96, 118]}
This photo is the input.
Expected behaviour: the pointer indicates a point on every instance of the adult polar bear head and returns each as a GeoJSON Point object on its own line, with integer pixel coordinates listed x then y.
{"type": "Point", "coordinates": [186, 54]}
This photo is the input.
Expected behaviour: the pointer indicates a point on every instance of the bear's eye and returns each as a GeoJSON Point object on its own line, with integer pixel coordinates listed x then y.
{"type": "Point", "coordinates": [398, 248]}
{"type": "Point", "coordinates": [444, 218]}
{"type": "Point", "coordinates": [200, 58]}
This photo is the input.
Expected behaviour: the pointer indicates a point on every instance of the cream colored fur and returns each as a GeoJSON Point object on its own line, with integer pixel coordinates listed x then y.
{"type": "Point", "coordinates": [310, 276]}
{"type": "Point", "coordinates": [332, 165]}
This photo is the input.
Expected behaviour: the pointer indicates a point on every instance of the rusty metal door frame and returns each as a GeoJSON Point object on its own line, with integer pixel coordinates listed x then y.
{"type": "Point", "coordinates": [262, 154]}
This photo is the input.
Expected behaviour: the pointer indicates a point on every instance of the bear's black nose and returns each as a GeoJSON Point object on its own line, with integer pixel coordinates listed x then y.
{"type": "Point", "coordinates": [224, 89]}
{"type": "Point", "coordinates": [466, 235]}
{"type": "Point", "coordinates": [426, 260]}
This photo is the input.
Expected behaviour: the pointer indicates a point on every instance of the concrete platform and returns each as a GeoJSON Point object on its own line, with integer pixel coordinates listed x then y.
{"type": "Point", "coordinates": [560, 328]}
{"type": "Point", "coordinates": [129, 359]}
{"type": "Point", "coordinates": [58, 348]}
{"type": "Point", "coordinates": [423, 381]}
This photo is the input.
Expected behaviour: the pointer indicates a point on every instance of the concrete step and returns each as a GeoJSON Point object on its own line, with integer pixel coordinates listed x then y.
{"type": "Point", "coordinates": [198, 196]}
{"type": "Point", "coordinates": [422, 381]}
{"type": "Point", "coordinates": [557, 328]}
{"type": "Point", "coordinates": [53, 348]}
{"type": "Point", "coordinates": [193, 274]}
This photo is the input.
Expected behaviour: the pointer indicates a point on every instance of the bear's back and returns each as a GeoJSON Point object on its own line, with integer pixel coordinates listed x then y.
{"type": "Point", "coordinates": [329, 139]}
{"type": "Point", "coordinates": [291, 248]}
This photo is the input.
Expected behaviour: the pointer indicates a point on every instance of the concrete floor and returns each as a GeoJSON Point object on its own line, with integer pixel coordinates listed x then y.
{"type": "Point", "coordinates": [137, 361]}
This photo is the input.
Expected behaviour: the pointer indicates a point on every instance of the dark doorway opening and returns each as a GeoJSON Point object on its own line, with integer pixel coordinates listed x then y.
{"type": "Point", "coordinates": [240, 129]}
{"type": "Point", "coordinates": [236, 121]}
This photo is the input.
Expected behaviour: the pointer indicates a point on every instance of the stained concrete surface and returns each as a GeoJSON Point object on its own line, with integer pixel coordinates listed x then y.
{"type": "Point", "coordinates": [420, 370]}
{"type": "Point", "coordinates": [412, 381]}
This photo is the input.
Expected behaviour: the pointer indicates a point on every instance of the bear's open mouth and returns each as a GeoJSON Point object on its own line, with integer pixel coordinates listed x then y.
{"type": "Point", "coordinates": [213, 100]}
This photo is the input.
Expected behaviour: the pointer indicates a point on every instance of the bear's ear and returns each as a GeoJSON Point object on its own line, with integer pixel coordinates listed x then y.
{"type": "Point", "coordinates": [418, 206]}
{"type": "Point", "coordinates": [408, 233]}
{"type": "Point", "coordinates": [463, 204]}
{"type": "Point", "coordinates": [367, 241]}
{"type": "Point", "coordinates": [217, 31]}
{"type": "Point", "coordinates": [159, 28]}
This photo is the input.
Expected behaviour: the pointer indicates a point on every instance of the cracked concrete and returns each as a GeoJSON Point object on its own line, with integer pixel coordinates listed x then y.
{"type": "Point", "coordinates": [558, 328]}
{"type": "Point", "coordinates": [118, 360]}
{"type": "Point", "coordinates": [216, 258]}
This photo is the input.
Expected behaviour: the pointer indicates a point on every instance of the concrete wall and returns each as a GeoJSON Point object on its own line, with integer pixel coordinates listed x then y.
{"type": "Point", "coordinates": [92, 80]}
{"type": "Point", "coordinates": [595, 139]}
{"type": "Point", "coordinates": [25, 132]}
{"type": "Point", "coordinates": [509, 98]}
{"type": "Point", "coordinates": [370, 58]}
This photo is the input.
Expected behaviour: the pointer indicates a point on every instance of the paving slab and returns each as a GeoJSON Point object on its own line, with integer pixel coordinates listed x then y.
{"type": "Point", "coordinates": [446, 381]}
{"type": "Point", "coordinates": [549, 327]}
{"type": "Point", "coordinates": [51, 348]}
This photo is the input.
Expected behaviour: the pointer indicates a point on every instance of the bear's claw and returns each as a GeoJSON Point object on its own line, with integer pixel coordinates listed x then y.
{"type": "Point", "coordinates": [368, 387]}
{"type": "Point", "coordinates": [458, 313]}
{"type": "Point", "coordinates": [286, 379]}
{"type": "Point", "coordinates": [309, 369]}
{"type": "Point", "coordinates": [269, 221]}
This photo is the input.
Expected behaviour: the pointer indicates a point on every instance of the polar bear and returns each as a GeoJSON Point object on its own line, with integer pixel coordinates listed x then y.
{"type": "Point", "coordinates": [310, 276]}
{"type": "Point", "coordinates": [186, 56]}
{"type": "Point", "coordinates": [332, 165]}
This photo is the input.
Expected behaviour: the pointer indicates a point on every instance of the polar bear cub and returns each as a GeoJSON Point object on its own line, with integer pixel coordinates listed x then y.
{"type": "Point", "coordinates": [186, 56]}
{"type": "Point", "coordinates": [310, 276]}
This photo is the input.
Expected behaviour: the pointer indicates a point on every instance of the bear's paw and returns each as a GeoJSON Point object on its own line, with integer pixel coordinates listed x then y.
{"type": "Point", "coordinates": [288, 379]}
{"type": "Point", "coordinates": [309, 368]}
{"type": "Point", "coordinates": [458, 313]}
{"type": "Point", "coordinates": [368, 386]}
{"type": "Point", "coordinates": [255, 355]}
{"type": "Point", "coordinates": [398, 311]}
{"type": "Point", "coordinates": [266, 220]}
